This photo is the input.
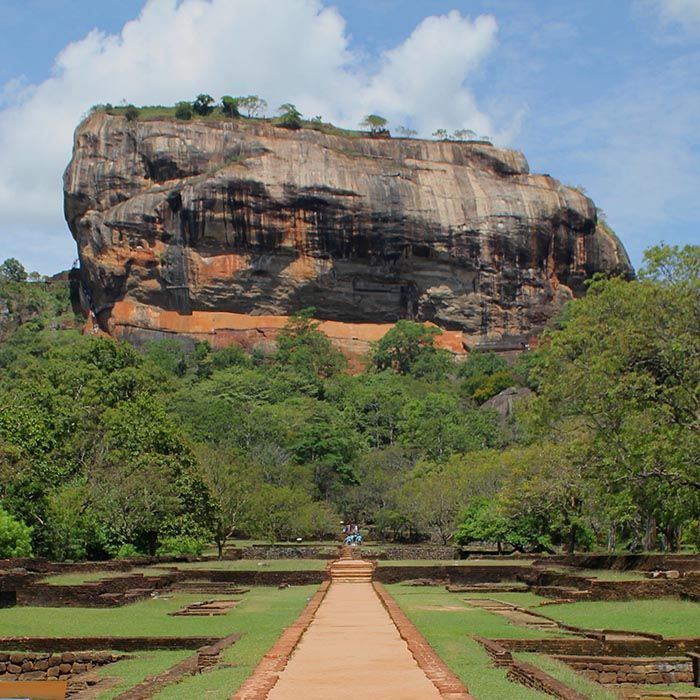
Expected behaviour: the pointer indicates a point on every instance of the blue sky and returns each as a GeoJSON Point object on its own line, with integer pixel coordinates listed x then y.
{"type": "Point", "coordinates": [597, 93]}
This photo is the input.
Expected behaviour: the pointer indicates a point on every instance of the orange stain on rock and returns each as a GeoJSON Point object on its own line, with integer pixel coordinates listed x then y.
{"type": "Point", "coordinates": [222, 328]}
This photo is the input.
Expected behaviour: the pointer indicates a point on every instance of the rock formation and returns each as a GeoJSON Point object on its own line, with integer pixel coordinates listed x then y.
{"type": "Point", "coordinates": [220, 229]}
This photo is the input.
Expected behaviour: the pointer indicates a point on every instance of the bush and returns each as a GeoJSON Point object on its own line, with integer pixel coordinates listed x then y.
{"type": "Point", "coordinates": [15, 537]}
{"type": "Point", "coordinates": [181, 545]}
{"type": "Point", "coordinates": [229, 106]}
{"type": "Point", "coordinates": [131, 113]}
{"type": "Point", "coordinates": [124, 551]}
{"type": "Point", "coordinates": [183, 110]}
{"type": "Point", "coordinates": [203, 105]}
{"type": "Point", "coordinates": [290, 117]}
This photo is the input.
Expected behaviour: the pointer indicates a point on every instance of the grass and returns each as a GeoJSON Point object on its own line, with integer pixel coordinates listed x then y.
{"type": "Point", "coordinates": [146, 618]}
{"type": "Point", "coordinates": [133, 670]}
{"type": "Point", "coordinates": [448, 624]}
{"type": "Point", "coordinates": [525, 599]}
{"type": "Point", "coordinates": [255, 565]}
{"type": "Point", "coordinates": [262, 620]}
{"type": "Point", "coordinates": [667, 616]}
{"type": "Point", "coordinates": [153, 112]}
{"type": "Point", "coordinates": [565, 674]}
{"type": "Point", "coordinates": [77, 578]}
{"type": "Point", "coordinates": [453, 562]}
{"type": "Point", "coordinates": [600, 574]}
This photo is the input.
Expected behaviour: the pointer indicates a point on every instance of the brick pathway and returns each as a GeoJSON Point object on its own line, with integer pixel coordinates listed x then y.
{"type": "Point", "coordinates": [357, 645]}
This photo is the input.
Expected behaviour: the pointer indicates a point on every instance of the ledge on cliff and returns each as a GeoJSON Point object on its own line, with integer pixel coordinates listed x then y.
{"type": "Point", "coordinates": [242, 218]}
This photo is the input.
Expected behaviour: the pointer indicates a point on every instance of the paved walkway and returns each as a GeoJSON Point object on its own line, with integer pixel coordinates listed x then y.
{"type": "Point", "coordinates": [352, 651]}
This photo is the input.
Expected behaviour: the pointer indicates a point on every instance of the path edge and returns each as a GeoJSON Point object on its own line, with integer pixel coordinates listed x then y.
{"type": "Point", "coordinates": [266, 674]}
{"type": "Point", "coordinates": [447, 683]}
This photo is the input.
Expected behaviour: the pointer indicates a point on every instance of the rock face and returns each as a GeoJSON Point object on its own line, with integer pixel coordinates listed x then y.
{"type": "Point", "coordinates": [219, 228]}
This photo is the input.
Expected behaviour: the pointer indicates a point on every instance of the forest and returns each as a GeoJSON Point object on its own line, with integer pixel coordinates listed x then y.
{"type": "Point", "coordinates": [107, 450]}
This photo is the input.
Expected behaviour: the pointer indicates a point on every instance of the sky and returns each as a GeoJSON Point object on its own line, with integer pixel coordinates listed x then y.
{"type": "Point", "coordinates": [603, 94]}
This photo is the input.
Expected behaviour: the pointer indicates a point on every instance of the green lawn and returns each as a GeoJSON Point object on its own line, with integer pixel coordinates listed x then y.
{"type": "Point", "coordinates": [147, 617]}
{"type": "Point", "coordinates": [135, 669]}
{"type": "Point", "coordinates": [262, 620]}
{"type": "Point", "coordinates": [77, 578]}
{"type": "Point", "coordinates": [453, 562]}
{"type": "Point", "coordinates": [601, 574]}
{"type": "Point", "coordinates": [667, 616]}
{"type": "Point", "coordinates": [255, 565]}
{"type": "Point", "coordinates": [568, 676]}
{"type": "Point", "coordinates": [448, 624]}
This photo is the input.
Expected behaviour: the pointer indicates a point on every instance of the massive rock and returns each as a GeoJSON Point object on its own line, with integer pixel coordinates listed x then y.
{"type": "Point", "coordinates": [220, 229]}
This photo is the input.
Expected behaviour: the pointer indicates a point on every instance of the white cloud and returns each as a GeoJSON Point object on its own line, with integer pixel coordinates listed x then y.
{"type": "Point", "coordinates": [685, 12]}
{"type": "Point", "coordinates": [283, 50]}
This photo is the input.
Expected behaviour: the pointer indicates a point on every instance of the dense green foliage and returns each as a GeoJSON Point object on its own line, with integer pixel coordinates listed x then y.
{"type": "Point", "coordinates": [107, 450]}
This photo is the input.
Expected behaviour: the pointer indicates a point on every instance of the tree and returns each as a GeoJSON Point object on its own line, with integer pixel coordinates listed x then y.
{"type": "Point", "coordinates": [406, 133]}
{"type": "Point", "coordinates": [406, 346]}
{"type": "Point", "coordinates": [303, 347]}
{"type": "Point", "coordinates": [15, 537]}
{"type": "Point", "coordinates": [253, 105]}
{"type": "Point", "coordinates": [375, 124]}
{"type": "Point", "coordinates": [290, 116]}
{"type": "Point", "coordinates": [229, 106]}
{"type": "Point", "coordinates": [183, 110]}
{"type": "Point", "coordinates": [624, 367]}
{"type": "Point", "coordinates": [441, 134]}
{"type": "Point", "coordinates": [232, 484]}
{"type": "Point", "coordinates": [203, 105]}
{"type": "Point", "coordinates": [12, 270]}
{"type": "Point", "coordinates": [131, 113]}
{"type": "Point", "coordinates": [286, 512]}
{"type": "Point", "coordinates": [464, 135]}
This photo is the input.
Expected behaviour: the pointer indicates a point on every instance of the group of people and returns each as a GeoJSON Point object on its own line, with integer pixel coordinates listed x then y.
{"type": "Point", "coordinates": [351, 534]}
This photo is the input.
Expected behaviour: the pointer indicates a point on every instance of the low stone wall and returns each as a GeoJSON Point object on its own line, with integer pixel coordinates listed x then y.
{"type": "Point", "coordinates": [627, 562]}
{"type": "Point", "coordinates": [258, 577]}
{"type": "Point", "coordinates": [32, 666]}
{"type": "Point", "coordinates": [63, 644]}
{"type": "Point", "coordinates": [583, 646]}
{"type": "Point", "coordinates": [524, 673]}
{"type": "Point", "coordinates": [448, 574]}
{"type": "Point", "coordinates": [532, 677]}
{"type": "Point", "coordinates": [103, 594]}
{"type": "Point", "coordinates": [626, 670]}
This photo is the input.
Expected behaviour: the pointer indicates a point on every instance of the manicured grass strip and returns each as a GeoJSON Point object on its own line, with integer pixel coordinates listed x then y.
{"type": "Point", "coordinates": [256, 565]}
{"type": "Point", "coordinates": [453, 562]}
{"type": "Point", "coordinates": [77, 578]}
{"type": "Point", "coordinates": [448, 631]}
{"type": "Point", "coordinates": [526, 599]}
{"type": "Point", "coordinates": [567, 676]}
{"type": "Point", "coordinates": [261, 622]}
{"type": "Point", "coordinates": [133, 671]}
{"type": "Point", "coordinates": [667, 616]}
{"type": "Point", "coordinates": [146, 618]}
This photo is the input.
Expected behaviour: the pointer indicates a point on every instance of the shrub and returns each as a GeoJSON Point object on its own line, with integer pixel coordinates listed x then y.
{"type": "Point", "coordinates": [15, 537]}
{"type": "Point", "coordinates": [183, 110]}
{"type": "Point", "coordinates": [181, 545]}
{"type": "Point", "coordinates": [131, 113]}
{"type": "Point", "coordinates": [229, 106]}
{"type": "Point", "coordinates": [203, 105]}
{"type": "Point", "coordinates": [290, 117]}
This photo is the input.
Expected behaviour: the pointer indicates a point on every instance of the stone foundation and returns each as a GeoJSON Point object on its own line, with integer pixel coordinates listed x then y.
{"type": "Point", "coordinates": [36, 666]}
{"type": "Point", "coordinates": [626, 670]}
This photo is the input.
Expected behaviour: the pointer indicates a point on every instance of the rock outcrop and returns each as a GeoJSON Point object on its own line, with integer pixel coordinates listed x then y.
{"type": "Point", "coordinates": [220, 229]}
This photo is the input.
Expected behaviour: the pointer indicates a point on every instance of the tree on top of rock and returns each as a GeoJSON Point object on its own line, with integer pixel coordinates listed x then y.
{"type": "Point", "coordinates": [374, 123]}
{"type": "Point", "coordinates": [229, 106]}
{"type": "Point", "coordinates": [203, 104]}
{"type": "Point", "coordinates": [253, 105]}
{"type": "Point", "coordinates": [290, 116]}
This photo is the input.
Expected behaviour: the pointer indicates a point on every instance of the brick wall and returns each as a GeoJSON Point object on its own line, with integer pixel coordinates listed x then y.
{"type": "Point", "coordinates": [33, 666]}
{"type": "Point", "coordinates": [619, 670]}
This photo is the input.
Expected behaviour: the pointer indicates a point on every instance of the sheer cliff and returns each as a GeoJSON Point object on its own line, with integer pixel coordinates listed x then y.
{"type": "Point", "coordinates": [219, 229]}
